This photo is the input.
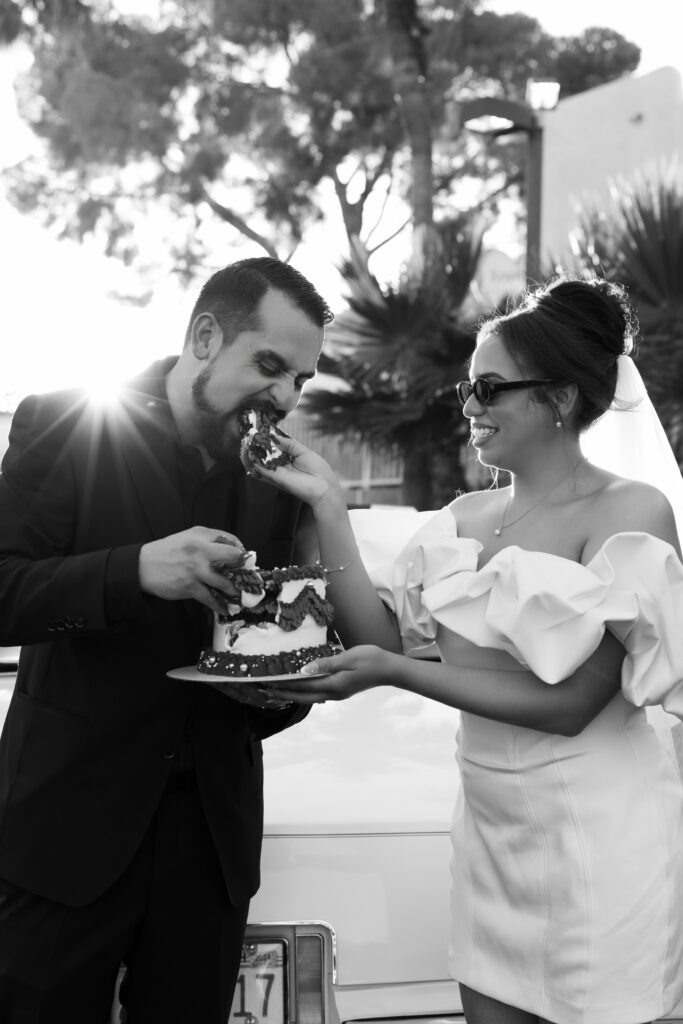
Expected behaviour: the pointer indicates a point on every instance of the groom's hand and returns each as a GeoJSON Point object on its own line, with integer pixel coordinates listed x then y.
{"type": "Point", "coordinates": [186, 565]}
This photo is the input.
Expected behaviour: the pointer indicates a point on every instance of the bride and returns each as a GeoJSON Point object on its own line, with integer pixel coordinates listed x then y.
{"type": "Point", "coordinates": [556, 604]}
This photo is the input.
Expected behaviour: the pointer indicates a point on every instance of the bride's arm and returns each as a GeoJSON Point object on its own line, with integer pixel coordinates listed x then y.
{"type": "Point", "coordinates": [521, 698]}
{"type": "Point", "coordinates": [360, 617]}
{"type": "Point", "coordinates": [514, 697]}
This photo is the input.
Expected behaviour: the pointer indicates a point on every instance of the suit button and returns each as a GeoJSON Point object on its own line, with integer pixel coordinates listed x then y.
{"type": "Point", "coordinates": [68, 623]}
{"type": "Point", "coordinates": [79, 623]}
{"type": "Point", "coordinates": [50, 626]}
{"type": "Point", "coordinates": [59, 624]}
{"type": "Point", "coordinates": [170, 756]}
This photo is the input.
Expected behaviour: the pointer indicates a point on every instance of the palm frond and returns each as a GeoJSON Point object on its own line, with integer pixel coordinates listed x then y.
{"type": "Point", "coordinates": [638, 241]}
{"type": "Point", "coordinates": [394, 350]}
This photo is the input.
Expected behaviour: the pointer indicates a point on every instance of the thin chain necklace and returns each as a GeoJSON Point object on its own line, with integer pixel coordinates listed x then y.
{"type": "Point", "coordinates": [504, 526]}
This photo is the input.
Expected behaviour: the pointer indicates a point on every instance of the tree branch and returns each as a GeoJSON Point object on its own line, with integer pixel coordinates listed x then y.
{"type": "Point", "coordinates": [380, 215]}
{"type": "Point", "coordinates": [389, 237]}
{"type": "Point", "coordinates": [352, 213]}
{"type": "Point", "coordinates": [371, 178]}
{"type": "Point", "coordinates": [238, 222]}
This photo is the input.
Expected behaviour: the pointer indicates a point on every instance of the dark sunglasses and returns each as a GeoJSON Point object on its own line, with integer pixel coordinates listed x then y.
{"type": "Point", "coordinates": [486, 390]}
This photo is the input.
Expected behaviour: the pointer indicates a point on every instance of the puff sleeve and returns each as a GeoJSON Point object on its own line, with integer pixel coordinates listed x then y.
{"type": "Point", "coordinates": [546, 611]}
{"type": "Point", "coordinates": [551, 613]}
{"type": "Point", "coordinates": [405, 552]}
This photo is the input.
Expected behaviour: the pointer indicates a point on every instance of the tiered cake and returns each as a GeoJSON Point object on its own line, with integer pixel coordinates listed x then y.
{"type": "Point", "coordinates": [276, 626]}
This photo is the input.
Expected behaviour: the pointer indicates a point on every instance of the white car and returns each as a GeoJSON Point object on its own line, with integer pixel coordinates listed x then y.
{"type": "Point", "coordinates": [352, 916]}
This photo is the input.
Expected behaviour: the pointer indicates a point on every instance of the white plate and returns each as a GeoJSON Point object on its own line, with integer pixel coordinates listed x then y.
{"type": "Point", "coordinates": [192, 674]}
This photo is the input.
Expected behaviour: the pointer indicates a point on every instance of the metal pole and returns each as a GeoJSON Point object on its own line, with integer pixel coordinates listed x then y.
{"type": "Point", "coordinates": [523, 118]}
{"type": "Point", "coordinates": [533, 216]}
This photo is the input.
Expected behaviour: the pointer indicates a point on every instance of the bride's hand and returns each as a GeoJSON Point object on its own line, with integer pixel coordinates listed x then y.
{"type": "Point", "coordinates": [357, 669]}
{"type": "Point", "coordinates": [308, 477]}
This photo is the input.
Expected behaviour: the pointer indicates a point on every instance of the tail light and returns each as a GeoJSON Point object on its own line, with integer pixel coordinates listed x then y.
{"type": "Point", "coordinates": [310, 979]}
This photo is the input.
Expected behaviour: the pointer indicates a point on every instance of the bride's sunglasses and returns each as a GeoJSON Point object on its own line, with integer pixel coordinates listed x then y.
{"type": "Point", "coordinates": [486, 390]}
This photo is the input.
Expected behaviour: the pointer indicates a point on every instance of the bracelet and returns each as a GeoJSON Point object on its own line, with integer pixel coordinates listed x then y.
{"type": "Point", "coordinates": [338, 568]}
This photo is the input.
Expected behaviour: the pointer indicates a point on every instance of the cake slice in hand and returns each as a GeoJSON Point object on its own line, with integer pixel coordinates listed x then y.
{"type": "Point", "coordinates": [259, 447]}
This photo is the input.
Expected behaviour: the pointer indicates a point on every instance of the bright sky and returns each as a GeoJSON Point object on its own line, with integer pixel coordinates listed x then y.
{"type": "Point", "coordinates": [60, 324]}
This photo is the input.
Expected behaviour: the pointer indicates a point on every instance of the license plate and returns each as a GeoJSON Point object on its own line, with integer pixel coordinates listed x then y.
{"type": "Point", "coordinates": [260, 991]}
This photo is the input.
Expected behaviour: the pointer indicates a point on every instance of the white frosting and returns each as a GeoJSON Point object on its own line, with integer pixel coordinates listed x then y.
{"type": "Point", "coordinates": [249, 560]}
{"type": "Point", "coordinates": [268, 638]}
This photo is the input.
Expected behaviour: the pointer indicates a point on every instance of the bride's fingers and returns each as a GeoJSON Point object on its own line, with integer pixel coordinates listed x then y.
{"type": "Point", "coordinates": [304, 691]}
{"type": "Point", "coordinates": [321, 667]}
{"type": "Point", "coordinates": [288, 443]}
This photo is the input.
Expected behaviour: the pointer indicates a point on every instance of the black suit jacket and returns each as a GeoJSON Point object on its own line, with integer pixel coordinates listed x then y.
{"type": "Point", "coordinates": [94, 721]}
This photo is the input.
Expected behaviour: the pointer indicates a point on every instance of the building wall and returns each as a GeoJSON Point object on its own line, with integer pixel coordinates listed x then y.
{"type": "Point", "coordinates": [614, 131]}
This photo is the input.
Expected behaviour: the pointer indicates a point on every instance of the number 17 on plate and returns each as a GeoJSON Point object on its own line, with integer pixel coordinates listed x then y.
{"type": "Point", "coordinates": [260, 990]}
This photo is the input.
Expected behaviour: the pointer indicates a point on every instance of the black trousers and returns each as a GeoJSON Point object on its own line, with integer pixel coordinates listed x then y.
{"type": "Point", "coordinates": [168, 918]}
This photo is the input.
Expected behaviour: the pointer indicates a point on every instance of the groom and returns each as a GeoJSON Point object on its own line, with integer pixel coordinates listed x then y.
{"type": "Point", "coordinates": [131, 803]}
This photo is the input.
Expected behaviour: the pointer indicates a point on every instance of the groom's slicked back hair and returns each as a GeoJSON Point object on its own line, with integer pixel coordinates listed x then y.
{"type": "Point", "coordinates": [234, 293]}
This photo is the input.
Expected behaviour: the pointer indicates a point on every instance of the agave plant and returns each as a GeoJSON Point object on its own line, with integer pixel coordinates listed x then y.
{"type": "Point", "coordinates": [395, 354]}
{"type": "Point", "coordinates": [639, 242]}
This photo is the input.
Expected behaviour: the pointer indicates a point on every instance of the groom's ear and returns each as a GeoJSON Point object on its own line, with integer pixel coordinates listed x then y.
{"type": "Point", "coordinates": [206, 336]}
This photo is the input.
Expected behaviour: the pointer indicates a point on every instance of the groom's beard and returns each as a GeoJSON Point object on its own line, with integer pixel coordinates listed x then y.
{"type": "Point", "coordinates": [218, 432]}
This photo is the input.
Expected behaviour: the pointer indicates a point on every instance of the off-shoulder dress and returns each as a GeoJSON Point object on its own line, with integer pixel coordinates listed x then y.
{"type": "Point", "coordinates": [567, 866]}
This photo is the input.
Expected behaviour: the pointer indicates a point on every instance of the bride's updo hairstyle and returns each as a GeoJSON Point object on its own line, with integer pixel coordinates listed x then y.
{"type": "Point", "coordinates": [571, 330]}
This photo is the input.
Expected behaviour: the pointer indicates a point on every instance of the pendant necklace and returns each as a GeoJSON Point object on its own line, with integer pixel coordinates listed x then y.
{"type": "Point", "coordinates": [504, 526]}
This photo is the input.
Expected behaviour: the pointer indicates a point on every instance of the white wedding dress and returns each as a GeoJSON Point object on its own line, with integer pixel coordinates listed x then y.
{"type": "Point", "coordinates": [567, 867]}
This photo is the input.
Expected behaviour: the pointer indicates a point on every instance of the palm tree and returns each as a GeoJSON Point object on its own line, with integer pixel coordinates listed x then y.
{"type": "Point", "coordinates": [396, 354]}
{"type": "Point", "coordinates": [639, 242]}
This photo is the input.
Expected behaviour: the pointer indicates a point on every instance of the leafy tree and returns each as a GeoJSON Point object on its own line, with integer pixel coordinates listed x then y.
{"type": "Point", "coordinates": [638, 241]}
{"type": "Point", "coordinates": [256, 114]}
{"type": "Point", "coordinates": [270, 106]}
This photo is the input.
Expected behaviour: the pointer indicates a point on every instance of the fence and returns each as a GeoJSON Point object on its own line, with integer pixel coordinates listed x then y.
{"type": "Point", "coordinates": [369, 473]}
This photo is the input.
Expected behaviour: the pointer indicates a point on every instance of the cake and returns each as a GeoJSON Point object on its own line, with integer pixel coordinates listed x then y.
{"type": "Point", "coordinates": [277, 625]}
{"type": "Point", "coordinates": [258, 445]}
